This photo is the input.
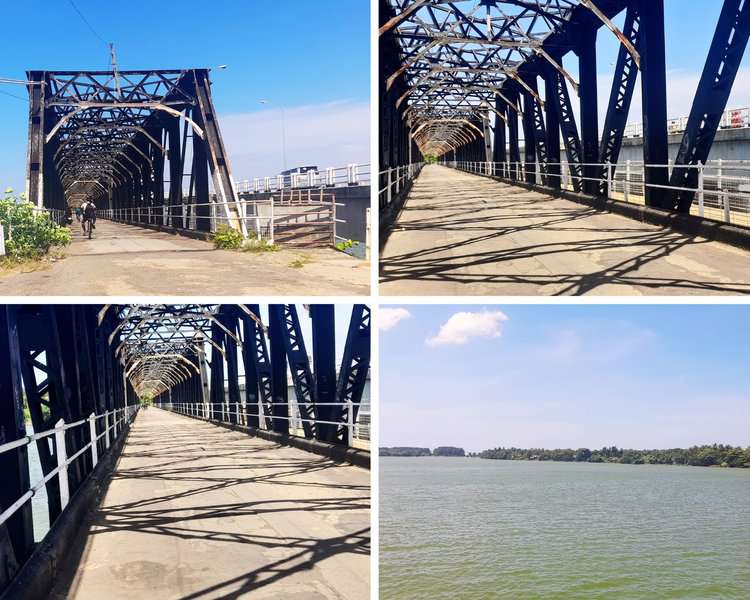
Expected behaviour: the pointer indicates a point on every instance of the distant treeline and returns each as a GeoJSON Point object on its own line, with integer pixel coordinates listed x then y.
{"type": "Point", "coordinates": [699, 456]}
{"type": "Point", "coordinates": [411, 451]}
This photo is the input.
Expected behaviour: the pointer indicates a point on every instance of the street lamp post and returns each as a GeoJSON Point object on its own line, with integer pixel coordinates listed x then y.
{"type": "Point", "coordinates": [283, 131]}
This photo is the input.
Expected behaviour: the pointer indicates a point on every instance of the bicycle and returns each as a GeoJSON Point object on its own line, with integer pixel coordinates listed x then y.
{"type": "Point", "coordinates": [87, 227]}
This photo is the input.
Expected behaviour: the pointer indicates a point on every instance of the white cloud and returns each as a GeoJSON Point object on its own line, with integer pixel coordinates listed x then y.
{"type": "Point", "coordinates": [463, 326]}
{"type": "Point", "coordinates": [390, 317]}
{"type": "Point", "coordinates": [327, 135]}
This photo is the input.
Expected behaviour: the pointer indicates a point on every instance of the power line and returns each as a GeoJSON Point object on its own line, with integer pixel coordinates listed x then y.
{"type": "Point", "coordinates": [12, 95]}
{"type": "Point", "coordinates": [80, 14]}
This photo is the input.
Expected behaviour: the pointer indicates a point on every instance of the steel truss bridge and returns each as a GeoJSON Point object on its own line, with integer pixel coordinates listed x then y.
{"type": "Point", "coordinates": [456, 76]}
{"type": "Point", "coordinates": [130, 140]}
{"type": "Point", "coordinates": [82, 370]}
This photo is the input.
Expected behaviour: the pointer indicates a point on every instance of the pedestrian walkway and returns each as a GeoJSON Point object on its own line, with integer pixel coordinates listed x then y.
{"type": "Point", "coordinates": [125, 260]}
{"type": "Point", "coordinates": [462, 234]}
{"type": "Point", "coordinates": [198, 511]}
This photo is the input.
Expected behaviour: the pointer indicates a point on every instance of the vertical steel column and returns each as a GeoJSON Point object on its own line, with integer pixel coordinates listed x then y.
{"type": "Point", "coordinates": [202, 211]}
{"type": "Point", "coordinates": [14, 465]}
{"type": "Point", "coordinates": [229, 320]}
{"type": "Point", "coordinates": [278, 368]}
{"type": "Point", "coordinates": [513, 145]}
{"type": "Point", "coordinates": [324, 363]}
{"type": "Point", "coordinates": [530, 137]}
{"type": "Point", "coordinates": [589, 107]}
{"type": "Point", "coordinates": [500, 153]}
{"type": "Point", "coordinates": [35, 169]}
{"type": "Point", "coordinates": [552, 114]}
{"type": "Point", "coordinates": [654, 90]}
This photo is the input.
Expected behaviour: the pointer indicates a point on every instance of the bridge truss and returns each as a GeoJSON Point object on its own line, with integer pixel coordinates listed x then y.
{"type": "Point", "coordinates": [457, 75]}
{"type": "Point", "coordinates": [130, 140]}
{"type": "Point", "coordinates": [76, 363]}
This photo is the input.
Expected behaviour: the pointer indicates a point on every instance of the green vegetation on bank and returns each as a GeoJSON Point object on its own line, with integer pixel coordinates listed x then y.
{"type": "Point", "coordinates": [717, 455]}
{"type": "Point", "coordinates": [28, 234]}
{"type": "Point", "coordinates": [414, 451]}
{"type": "Point", "coordinates": [405, 451]}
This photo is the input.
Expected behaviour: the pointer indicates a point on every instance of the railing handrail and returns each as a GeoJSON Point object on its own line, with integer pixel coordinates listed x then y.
{"type": "Point", "coordinates": [125, 414]}
{"type": "Point", "coordinates": [206, 411]}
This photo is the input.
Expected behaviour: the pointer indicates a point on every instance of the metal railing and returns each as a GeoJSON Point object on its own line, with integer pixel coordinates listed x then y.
{"type": "Point", "coordinates": [358, 430]}
{"type": "Point", "coordinates": [262, 217]}
{"type": "Point", "coordinates": [353, 174]}
{"type": "Point", "coordinates": [115, 421]}
{"type": "Point", "coordinates": [735, 118]}
{"type": "Point", "coordinates": [722, 191]}
{"type": "Point", "coordinates": [395, 182]}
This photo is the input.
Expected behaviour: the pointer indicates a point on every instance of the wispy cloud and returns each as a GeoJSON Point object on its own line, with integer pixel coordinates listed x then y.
{"type": "Point", "coordinates": [463, 326]}
{"type": "Point", "coordinates": [327, 135]}
{"type": "Point", "coordinates": [388, 318]}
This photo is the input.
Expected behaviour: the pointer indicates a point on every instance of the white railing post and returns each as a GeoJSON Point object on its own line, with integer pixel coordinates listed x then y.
{"type": "Point", "coordinates": [701, 189]}
{"type": "Point", "coordinates": [94, 449]}
{"type": "Point", "coordinates": [106, 429]}
{"type": "Point", "coordinates": [389, 195]}
{"type": "Point", "coordinates": [720, 175]}
{"type": "Point", "coordinates": [62, 459]}
{"type": "Point", "coordinates": [350, 422]}
{"type": "Point", "coordinates": [627, 181]}
{"type": "Point", "coordinates": [271, 223]}
{"type": "Point", "coordinates": [609, 179]}
{"type": "Point", "coordinates": [727, 212]}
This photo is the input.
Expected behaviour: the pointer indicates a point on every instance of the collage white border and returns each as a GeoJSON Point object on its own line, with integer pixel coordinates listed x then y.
{"type": "Point", "coordinates": [374, 300]}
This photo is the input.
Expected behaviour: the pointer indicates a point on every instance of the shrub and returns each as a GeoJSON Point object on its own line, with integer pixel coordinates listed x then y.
{"type": "Point", "coordinates": [227, 238]}
{"type": "Point", "coordinates": [27, 234]}
{"type": "Point", "coordinates": [346, 244]}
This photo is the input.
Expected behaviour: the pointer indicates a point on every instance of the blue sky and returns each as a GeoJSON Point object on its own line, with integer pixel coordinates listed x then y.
{"type": "Point", "coordinates": [640, 376]}
{"type": "Point", "coordinates": [311, 57]}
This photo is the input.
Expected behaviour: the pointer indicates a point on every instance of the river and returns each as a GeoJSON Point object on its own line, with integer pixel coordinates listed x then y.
{"type": "Point", "coordinates": [480, 529]}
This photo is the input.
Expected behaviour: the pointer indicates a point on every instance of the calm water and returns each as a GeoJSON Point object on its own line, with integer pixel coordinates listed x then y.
{"type": "Point", "coordinates": [472, 528]}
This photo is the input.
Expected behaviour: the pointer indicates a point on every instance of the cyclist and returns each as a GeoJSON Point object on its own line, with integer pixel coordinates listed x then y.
{"type": "Point", "coordinates": [89, 214]}
{"type": "Point", "coordinates": [79, 213]}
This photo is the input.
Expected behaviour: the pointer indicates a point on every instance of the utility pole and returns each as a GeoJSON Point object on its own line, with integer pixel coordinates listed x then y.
{"type": "Point", "coordinates": [114, 69]}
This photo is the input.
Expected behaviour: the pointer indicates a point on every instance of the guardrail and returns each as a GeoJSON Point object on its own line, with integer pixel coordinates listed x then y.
{"type": "Point", "coordinates": [354, 174]}
{"type": "Point", "coordinates": [735, 118]}
{"type": "Point", "coordinates": [358, 430]}
{"type": "Point", "coordinates": [722, 191]}
{"type": "Point", "coordinates": [396, 182]}
{"type": "Point", "coordinates": [263, 217]}
{"type": "Point", "coordinates": [115, 421]}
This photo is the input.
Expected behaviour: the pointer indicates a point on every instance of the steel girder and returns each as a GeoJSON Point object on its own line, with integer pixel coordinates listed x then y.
{"type": "Point", "coordinates": [106, 136]}
{"type": "Point", "coordinates": [724, 59]}
{"type": "Point", "coordinates": [620, 99]}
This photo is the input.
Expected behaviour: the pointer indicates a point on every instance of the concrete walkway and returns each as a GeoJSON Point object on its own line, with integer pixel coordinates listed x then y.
{"type": "Point", "coordinates": [124, 260]}
{"type": "Point", "coordinates": [198, 511]}
{"type": "Point", "coordinates": [462, 234]}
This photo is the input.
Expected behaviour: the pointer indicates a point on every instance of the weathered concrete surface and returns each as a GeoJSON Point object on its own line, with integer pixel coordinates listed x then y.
{"type": "Point", "coordinates": [461, 234]}
{"type": "Point", "coordinates": [197, 511]}
{"type": "Point", "coordinates": [124, 260]}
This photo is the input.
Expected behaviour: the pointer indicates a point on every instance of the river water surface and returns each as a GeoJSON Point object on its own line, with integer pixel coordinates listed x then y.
{"type": "Point", "coordinates": [473, 528]}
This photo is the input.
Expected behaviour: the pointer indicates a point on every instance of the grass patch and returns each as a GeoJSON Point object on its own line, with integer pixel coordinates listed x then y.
{"type": "Point", "coordinates": [10, 264]}
{"type": "Point", "coordinates": [300, 262]}
{"type": "Point", "coordinates": [253, 244]}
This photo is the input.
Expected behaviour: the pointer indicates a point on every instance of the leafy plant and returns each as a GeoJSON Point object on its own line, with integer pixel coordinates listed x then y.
{"type": "Point", "coordinates": [345, 245]}
{"type": "Point", "coordinates": [28, 234]}
{"type": "Point", "coordinates": [227, 238]}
